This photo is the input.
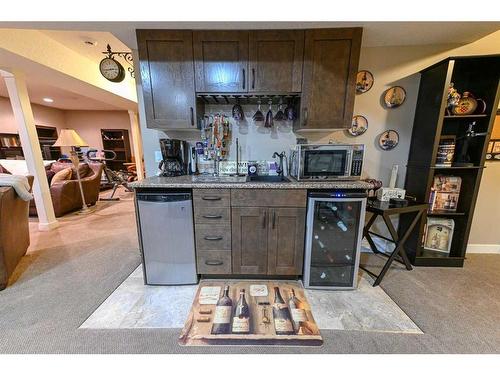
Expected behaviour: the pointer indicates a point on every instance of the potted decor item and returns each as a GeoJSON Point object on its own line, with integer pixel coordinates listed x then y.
{"type": "Point", "coordinates": [453, 99]}
{"type": "Point", "coordinates": [466, 105]}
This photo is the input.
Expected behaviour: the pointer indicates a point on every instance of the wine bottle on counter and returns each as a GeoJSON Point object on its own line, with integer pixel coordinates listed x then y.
{"type": "Point", "coordinates": [222, 316]}
{"type": "Point", "coordinates": [299, 316]}
{"type": "Point", "coordinates": [282, 319]}
{"type": "Point", "coordinates": [241, 318]}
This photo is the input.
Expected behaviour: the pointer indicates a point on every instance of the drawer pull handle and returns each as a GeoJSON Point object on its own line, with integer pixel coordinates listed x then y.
{"type": "Point", "coordinates": [205, 198]}
{"type": "Point", "coordinates": [212, 216]}
{"type": "Point", "coordinates": [213, 238]}
{"type": "Point", "coordinates": [214, 262]}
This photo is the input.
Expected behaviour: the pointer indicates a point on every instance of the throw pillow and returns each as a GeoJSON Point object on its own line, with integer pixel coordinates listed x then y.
{"type": "Point", "coordinates": [62, 175]}
{"type": "Point", "coordinates": [50, 174]}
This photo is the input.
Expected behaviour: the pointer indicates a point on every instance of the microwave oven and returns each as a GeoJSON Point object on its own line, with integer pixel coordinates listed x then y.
{"type": "Point", "coordinates": [326, 161]}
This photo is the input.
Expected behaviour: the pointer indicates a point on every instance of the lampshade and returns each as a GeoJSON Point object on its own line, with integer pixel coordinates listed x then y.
{"type": "Point", "coordinates": [69, 138]}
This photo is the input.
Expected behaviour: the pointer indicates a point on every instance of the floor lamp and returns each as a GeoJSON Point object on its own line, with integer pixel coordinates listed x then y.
{"type": "Point", "coordinates": [70, 138]}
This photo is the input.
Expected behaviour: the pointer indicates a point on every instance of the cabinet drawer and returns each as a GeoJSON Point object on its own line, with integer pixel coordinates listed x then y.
{"type": "Point", "coordinates": [268, 198]}
{"type": "Point", "coordinates": [211, 197]}
{"type": "Point", "coordinates": [213, 237]}
{"type": "Point", "coordinates": [212, 215]}
{"type": "Point", "coordinates": [214, 262]}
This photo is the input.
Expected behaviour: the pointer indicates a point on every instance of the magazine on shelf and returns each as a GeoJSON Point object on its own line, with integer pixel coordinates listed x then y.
{"type": "Point", "coordinates": [438, 234]}
{"type": "Point", "coordinates": [445, 193]}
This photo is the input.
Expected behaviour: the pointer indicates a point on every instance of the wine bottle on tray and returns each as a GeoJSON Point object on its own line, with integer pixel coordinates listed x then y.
{"type": "Point", "coordinates": [222, 316]}
{"type": "Point", "coordinates": [282, 319]}
{"type": "Point", "coordinates": [241, 318]}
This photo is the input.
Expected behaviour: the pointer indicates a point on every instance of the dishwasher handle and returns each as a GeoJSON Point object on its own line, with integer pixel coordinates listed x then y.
{"type": "Point", "coordinates": [168, 197]}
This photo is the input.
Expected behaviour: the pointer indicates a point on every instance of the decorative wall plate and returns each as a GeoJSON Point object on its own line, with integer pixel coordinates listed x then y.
{"type": "Point", "coordinates": [466, 105]}
{"type": "Point", "coordinates": [359, 125]}
{"type": "Point", "coordinates": [394, 97]}
{"type": "Point", "coordinates": [388, 140]}
{"type": "Point", "coordinates": [364, 81]}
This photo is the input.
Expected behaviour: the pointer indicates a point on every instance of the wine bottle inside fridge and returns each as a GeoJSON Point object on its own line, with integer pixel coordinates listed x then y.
{"type": "Point", "coordinates": [281, 315]}
{"type": "Point", "coordinates": [241, 318]}
{"type": "Point", "coordinates": [299, 316]}
{"type": "Point", "coordinates": [222, 316]}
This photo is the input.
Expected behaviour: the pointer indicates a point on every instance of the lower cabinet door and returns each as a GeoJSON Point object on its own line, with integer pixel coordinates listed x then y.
{"type": "Point", "coordinates": [249, 240]}
{"type": "Point", "coordinates": [286, 241]}
{"type": "Point", "coordinates": [213, 262]}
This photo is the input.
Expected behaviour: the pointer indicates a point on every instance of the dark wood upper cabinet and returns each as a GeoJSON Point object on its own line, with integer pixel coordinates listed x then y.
{"type": "Point", "coordinates": [331, 59]}
{"type": "Point", "coordinates": [221, 61]}
{"type": "Point", "coordinates": [249, 240]}
{"type": "Point", "coordinates": [167, 75]}
{"type": "Point", "coordinates": [286, 241]}
{"type": "Point", "coordinates": [275, 60]}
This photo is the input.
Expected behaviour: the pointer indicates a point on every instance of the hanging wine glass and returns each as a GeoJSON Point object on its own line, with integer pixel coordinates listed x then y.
{"type": "Point", "coordinates": [269, 117]}
{"type": "Point", "coordinates": [258, 116]}
{"type": "Point", "coordinates": [280, 115]}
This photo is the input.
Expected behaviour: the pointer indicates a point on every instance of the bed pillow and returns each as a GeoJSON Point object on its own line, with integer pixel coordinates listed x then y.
{"type": "Point", "coordinates": [62, 175]}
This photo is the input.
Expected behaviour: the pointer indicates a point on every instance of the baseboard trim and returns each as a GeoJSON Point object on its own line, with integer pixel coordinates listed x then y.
{"type": "Point", "coordinates": [44, 227]}
{"type": "Point", "coordinates": [483, 249]}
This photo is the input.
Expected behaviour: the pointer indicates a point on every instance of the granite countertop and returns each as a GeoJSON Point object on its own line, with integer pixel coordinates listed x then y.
{"type": "Point", "coordinates": [188, 183]}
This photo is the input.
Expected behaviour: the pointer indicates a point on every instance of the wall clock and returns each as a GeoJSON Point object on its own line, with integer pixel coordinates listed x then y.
{"type": "Point", "coordinates": [112, 70]}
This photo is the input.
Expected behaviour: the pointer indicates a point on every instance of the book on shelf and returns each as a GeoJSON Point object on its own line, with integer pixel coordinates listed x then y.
{"type": "Point", "coordinates": [438, 234]}
{"type": "Point", "coordinates": [445, 193]}
{"type": "Point", "coordinates": [445, 152]}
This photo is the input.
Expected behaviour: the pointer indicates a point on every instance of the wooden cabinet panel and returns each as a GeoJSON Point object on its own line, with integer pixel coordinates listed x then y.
{"type": "Point", "coordinates": [275, 60]}
{"type": "Point", "coordinates": [167, 75]}
{"type": "Point", "coordinates": [211, 197]}
{"type": "Point", "coordinates": [212, 215]}
{"type": "Point", "coordinates": [249, 240]}
{"type": "Point", "coordinates": [286, 241]}
{"type": "Point", "coordinates": [221, 59]}
{"type": "Point", "coordinates": [268, 198]}
{"type": "Point", "coordinates": [213, 262]}
{"type": "Point", "coordinates": [328, 88]}
{"type": "Point", "coordinates": [212, 237]}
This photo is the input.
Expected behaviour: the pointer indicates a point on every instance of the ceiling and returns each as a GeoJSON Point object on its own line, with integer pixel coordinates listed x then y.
{"type": "Point", "coordinates": [70, 96]}
{"type": "Point", "coordinates": [75, 40]}
{"type": "Point", "coordinates": [375, 34]}
{"type": "Point", "coordinates": [63, 99]}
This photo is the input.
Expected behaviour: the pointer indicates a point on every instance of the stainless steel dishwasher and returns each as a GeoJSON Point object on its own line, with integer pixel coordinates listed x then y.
{"type": "Point", "coordinates": [166, 237]}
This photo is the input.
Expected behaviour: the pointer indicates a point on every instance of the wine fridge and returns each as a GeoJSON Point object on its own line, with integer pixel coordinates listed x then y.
{"type": "Point", "coordinates": [335, 222]}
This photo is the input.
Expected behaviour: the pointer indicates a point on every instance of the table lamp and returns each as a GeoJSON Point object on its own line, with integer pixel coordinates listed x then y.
{"type": "Point", "coordinates": [70, 138]}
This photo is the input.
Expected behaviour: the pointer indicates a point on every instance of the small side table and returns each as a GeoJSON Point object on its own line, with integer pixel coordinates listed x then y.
{"type": "Point", "coordinates": [385, 210]}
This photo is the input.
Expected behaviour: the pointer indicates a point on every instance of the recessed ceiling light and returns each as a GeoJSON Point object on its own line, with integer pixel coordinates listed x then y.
{"type": "Point", "coordinates": [48, 100]}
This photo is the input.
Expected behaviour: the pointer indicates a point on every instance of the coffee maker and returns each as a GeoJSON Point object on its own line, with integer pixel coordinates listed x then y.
{"type": "Point", "coordinates": [176, 157]}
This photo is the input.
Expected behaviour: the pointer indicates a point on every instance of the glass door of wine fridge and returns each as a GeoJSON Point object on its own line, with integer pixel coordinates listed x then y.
{"type": "Point", "coordinates": [335, 223]}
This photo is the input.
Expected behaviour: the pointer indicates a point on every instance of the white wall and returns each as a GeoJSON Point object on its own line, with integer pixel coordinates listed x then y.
{"type": "Point", "coordinates": [45, 116]}
{"type": "Point", "coordinates": [89, 124]}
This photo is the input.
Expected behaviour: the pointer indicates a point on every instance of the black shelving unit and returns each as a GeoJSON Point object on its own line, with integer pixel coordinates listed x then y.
{"type": "Point", "coordinates": [118, 141]}
{"type": "Point", "coordinates": [479, 75]}
{"type": "Point", "coordinates": [47, 136]}
{"type": "Point", "coordinates": [10, 146]}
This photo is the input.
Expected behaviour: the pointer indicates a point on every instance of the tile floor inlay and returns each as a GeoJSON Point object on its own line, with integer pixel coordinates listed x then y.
{"type": "Point", "coordinates": [135, 305]}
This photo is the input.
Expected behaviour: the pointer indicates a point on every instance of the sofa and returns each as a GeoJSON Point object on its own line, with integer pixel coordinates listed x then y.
{"type": "Point", "coordinates": [66, 194]}
{"type": "Point", "coordinates": [14, 231]}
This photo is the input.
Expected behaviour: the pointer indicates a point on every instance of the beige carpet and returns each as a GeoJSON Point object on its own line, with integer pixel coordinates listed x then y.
{"type": "Point", "coordinates": [69, 272]}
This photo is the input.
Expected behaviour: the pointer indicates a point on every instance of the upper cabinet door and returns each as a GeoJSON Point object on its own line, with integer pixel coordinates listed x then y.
{"type": "Point", "coordinates": [167, 75]}
{"type": "Point", "coordinates": [221, 61]}
{"type": "Point", "coordinates": [328, 88]}
{"type": "Point", "coordinates": [276, 60]}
